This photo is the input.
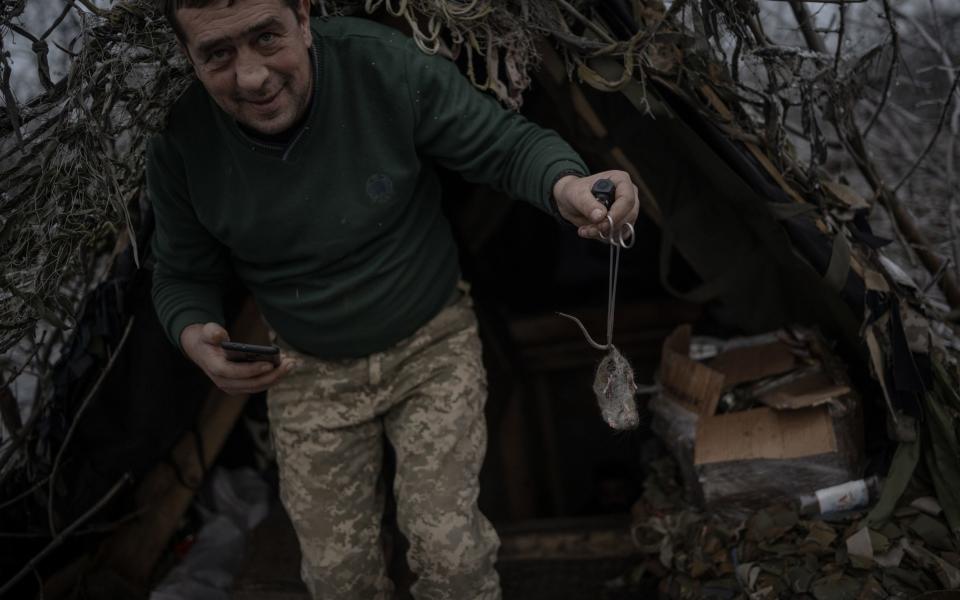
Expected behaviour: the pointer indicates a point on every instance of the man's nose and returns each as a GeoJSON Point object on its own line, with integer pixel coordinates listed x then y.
{"type": "Point", "coordinates": [252, 73]}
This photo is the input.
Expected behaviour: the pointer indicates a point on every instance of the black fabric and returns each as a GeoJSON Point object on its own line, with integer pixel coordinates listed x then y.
{"type": "Point", "coordinates": [746, 189]}
{"type": "Point", "coordinates": [720, 224]}
{"type": "Point", "coordinates": [812, 244]}
{"type": "Point", "coordinates": [863, 233]}
{"type": "Point", "coordinates": [907, 376]}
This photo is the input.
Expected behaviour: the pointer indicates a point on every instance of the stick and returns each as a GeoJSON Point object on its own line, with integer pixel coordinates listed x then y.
{"type": "Point", "coordinates": [31, 565]}
{"type": "Point", "coordinates": [891, 71]}
{"type": "Point", "coordinates": [9, 411]}
{"type": "Point", "coordinates": [843, 25]}
{"type": "Point", "coordinates": [936, 134]}
{"type": "Point", "coordinates": [806, 27]}
{"type": "Point", "coordinates": [73, 426]}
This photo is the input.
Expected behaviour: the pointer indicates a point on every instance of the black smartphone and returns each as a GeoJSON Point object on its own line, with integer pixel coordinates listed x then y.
{"type": "Point", "coordinates": [238, 352]}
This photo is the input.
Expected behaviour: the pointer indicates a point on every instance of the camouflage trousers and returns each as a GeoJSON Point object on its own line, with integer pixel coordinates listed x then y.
{"type": "Point", "coordinates": [328, 420]}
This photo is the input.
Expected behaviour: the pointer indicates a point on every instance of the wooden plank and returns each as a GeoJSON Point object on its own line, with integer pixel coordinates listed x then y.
{"type": "Point", "coordinates": [552, 462]}
{"type": "Point", "coordinates": [521, 491]}
{"type": "Point", "coordinates": [567, 539]}
{"type": "Point", "coordinates": [134, 550]}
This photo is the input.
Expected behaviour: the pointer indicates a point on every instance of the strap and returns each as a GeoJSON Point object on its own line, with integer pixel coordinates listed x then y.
{"type": "Point", "coordinates": [901, 471]}
{"type": "Point", "coordinates": [782, 211]}
{"type": "Point", "coordinates": [707, 291]}
{"type": "Point", "coordinates": [839, 267]}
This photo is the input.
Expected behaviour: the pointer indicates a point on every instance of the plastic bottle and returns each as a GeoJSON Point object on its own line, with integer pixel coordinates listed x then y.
{"type": "Point", "coordinates": [852, 494]}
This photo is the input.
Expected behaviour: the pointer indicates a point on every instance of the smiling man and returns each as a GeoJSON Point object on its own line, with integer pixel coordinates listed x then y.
{"type": "Point", "coordinates": [303, 160]}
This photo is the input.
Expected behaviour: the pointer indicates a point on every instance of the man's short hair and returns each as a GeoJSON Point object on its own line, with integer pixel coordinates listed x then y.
{"type": "Point", "coordinates": [170, 8]}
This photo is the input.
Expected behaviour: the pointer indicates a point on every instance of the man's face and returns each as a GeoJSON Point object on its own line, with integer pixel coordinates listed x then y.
{"type": "Point", "coordinates": [253, 59]}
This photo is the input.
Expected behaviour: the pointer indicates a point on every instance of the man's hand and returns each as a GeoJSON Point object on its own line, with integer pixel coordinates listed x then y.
{"type": "Point", "coordinates": [577, 205]}
{"type": "Point", "coordinates": [201, 342]}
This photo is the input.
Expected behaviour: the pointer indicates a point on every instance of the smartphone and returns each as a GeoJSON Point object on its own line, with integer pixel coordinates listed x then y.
{"type": "Point", "coordinates": [238, 352]}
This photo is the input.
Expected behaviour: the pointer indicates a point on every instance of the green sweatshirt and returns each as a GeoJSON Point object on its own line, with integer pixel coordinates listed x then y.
{"type": "Point", "coordinates": [339, 233]}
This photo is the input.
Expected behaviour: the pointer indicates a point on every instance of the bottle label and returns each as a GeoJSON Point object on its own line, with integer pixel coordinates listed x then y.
{"type": "Point", "coordinates": [843, 497]}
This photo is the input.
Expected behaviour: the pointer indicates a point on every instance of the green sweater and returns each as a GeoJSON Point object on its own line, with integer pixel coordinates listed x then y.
{"type": "Point", "coordinates": [339, 233]}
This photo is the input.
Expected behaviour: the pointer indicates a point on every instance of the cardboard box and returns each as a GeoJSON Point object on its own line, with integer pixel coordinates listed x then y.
{"type": "Point", "coordinates": [805, 433]}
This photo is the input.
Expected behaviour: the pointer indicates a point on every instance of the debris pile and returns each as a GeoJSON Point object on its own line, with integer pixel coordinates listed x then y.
{"type": "Point", "coordinates": [776, 553]}
{"type": "Point", "coordinates": [757, 420]}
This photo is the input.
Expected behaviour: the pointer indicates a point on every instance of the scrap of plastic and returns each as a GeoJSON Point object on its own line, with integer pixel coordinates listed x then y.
{"type": "Point", "coordinates": [239, 501]}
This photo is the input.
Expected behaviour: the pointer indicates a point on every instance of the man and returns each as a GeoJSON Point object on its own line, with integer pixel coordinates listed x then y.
{"type": "Point", "coordinates": [303, 161]}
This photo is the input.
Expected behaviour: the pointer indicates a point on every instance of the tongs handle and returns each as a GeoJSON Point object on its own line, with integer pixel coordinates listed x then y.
{"type": "Point", "coordinates": [603, 190]}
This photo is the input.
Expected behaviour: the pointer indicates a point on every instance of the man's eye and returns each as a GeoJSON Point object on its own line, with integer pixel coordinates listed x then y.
{"type": "Point", "coordinates": [266, 38]}
{"type": "Point", "coordinates": [218, 57]}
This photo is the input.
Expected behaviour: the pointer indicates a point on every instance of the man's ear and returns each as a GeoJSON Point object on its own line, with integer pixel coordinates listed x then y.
{"type": "Point", "coordinates": [303, 22]}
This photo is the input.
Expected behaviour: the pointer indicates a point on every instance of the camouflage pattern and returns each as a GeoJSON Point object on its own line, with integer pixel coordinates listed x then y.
{"type": "Point", "coordinates": [328, 419]}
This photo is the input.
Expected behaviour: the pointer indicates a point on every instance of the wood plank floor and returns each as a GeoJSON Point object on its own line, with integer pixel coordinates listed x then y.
{"type": "Point", "coordinates": [566, 559]}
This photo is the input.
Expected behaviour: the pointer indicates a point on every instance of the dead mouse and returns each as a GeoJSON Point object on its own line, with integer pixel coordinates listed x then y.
{"type": "Point", "coordinates": [613, 385]}
{"type": "Point", "coordinates": [616, 391]}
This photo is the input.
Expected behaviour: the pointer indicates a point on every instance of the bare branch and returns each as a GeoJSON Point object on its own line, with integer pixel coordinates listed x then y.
{"type": "Point", "coordinates": [59, 539]}
{"type": "Point", "coordinates": [83, 406]}
{"type": "Point", "coordinates": [891, 70]}
{"type": "Point", "coordinates": [933, 139]}
{"type": "Point", "coordinates": [840, 32]}
{"type": "Point", "coordinates": [806, 26]}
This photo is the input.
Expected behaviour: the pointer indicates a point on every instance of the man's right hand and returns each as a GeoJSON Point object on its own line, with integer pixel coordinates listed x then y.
{"type": "Point", "coordinates": [201, 342]}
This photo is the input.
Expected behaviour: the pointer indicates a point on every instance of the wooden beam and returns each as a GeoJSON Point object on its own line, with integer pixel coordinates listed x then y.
{"type": "Point", "coordinates": [9, 411]}
{"type": "Point", "coordinates": [567, 539]}
{"type": "Point", "coordinates": [135, 549]}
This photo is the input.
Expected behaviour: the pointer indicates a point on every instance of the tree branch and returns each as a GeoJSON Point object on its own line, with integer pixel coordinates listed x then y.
{"type": "Point", "coordinates": [891, 70]}
{"type": "Point", "coordinates": [73, 426]}
{"type": "Point", "coordinates": [936, 134]}
{"type": "Point", "coordinates": [32, 564]}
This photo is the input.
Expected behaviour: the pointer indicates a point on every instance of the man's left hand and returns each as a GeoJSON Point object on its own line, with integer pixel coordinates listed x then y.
{"type": "Point", "coordinates": [578, 205]}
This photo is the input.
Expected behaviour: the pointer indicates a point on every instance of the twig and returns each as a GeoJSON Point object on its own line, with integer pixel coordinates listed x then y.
{"type": "Point", "coordinates": [93, 8]}
{"type": "Point", "coordinates": [9, 410]}
{"type": "Point", "coordinates": [891, 70]}
{"type": "Point", "coordinates": [34, 418]}
{"type": "Point", "coordinates": [37, 347]}
{"type": "Point", "coordinates": [936, 276]}
{"type": "Point", "coordinates": [103, 528]}
{"type": "Point", "coordinates": [39, 584]}
{"type": "Point", "coordinates": [806, 27]}
{"type": "Point", "coordinates": [24, 493]}
{"type": "Point", "coordinates": [936, 134]}
{"type": "Point", "coordinates": [66, 532]}
{"type": "Point", "coordinates": [840, 31]}
{"type": "Point", "coordinates": [56, 23]}
{"type": "Point", "coordinates": [73, 426]}
{"type": "Point", "coordinates": [587, 22]}
{"type": "Point", "coordinates": [952, 200]}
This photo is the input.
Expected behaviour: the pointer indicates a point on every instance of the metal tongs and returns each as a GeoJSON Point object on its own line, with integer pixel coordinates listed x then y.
{"type": "Point", "coordinates": [604, 190]}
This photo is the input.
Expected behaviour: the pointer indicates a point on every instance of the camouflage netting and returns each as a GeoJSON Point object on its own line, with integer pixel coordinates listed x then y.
{"type": "Point", "coordinates": [71, 157]}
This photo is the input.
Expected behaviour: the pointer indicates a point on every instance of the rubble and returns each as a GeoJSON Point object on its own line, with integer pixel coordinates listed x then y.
{"type": "Point", "coordinates": [754, 407]}
{"type": "Point", "coordinates": [775, 553]}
